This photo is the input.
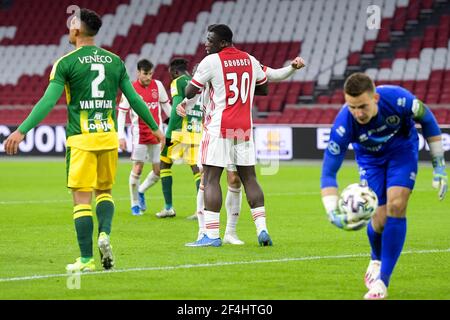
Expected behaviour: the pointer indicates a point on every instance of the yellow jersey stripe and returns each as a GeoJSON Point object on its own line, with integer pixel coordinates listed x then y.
{"type": "Point", "coordinates": [84, 122]}
{"type": "Point", "coordinates": [111, 121]}
{"type": "Point", "coordinates": [68, 96]}
{"type": "Point", "coordinates": [55, 65]}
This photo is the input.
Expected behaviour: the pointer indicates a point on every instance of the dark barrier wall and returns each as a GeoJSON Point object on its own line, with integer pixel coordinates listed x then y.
{"type": "Point", "coordinates": [310, 143]}
{"type": "Point", "coordinates": [307, 143]}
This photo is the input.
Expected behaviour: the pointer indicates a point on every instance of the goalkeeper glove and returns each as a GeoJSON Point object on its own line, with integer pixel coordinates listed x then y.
{"type": "Point", "coordinates": [440, 180]}
{"type": "Point", "coordinates": [340, 220]}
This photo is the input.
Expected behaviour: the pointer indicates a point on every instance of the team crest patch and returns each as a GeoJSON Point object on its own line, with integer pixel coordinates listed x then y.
{"type": "Point", "coordinates": [393, 121]}
{"type": "Point", "coordinates": [334, 148]}
{"type": "Point", "coordinates": [154, 94]}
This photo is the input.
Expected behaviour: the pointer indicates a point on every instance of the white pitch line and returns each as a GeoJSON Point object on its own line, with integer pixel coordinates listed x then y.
{"type": "Point", "coordinates": [19, 202]}
{"type": "Point", "coordinates": [182, 196]}
{"type": "Point", "coordinates": [217, 264]}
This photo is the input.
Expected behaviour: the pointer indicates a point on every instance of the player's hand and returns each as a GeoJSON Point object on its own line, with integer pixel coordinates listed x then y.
{"type": "Point", "coordinates": [161, 138]}
{"type": "Point", "coordinates": [12, 142]}
{"type": "Point", "coordinates": [181, 109]}
{"type": "Point", "coordinates": [340, 220]}
{"type": "Point", "coordinates": [123, 144]}
{"type": "Point", "coordinates": [337, 218]}
{"type": "Point", "coordinates": [440, 179]}
{"type": "Point", "coordinates": [298, 63]}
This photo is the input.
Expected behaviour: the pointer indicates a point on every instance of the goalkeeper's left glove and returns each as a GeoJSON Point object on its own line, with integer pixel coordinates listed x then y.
{"type": "Point", "coordinates": [340, 220]}
{"type": "Point", "coordinates": [440, 180]}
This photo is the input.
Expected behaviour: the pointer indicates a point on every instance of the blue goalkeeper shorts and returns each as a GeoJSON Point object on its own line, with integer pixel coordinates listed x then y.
{"type": "Point", "coordinates": [397, 168]}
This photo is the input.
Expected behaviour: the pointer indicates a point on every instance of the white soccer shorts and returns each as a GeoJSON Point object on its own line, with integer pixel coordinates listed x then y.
{"type": "Point", "coordinates": [226, 153]}
{"type": "Point", "coordinates": [146, 152]}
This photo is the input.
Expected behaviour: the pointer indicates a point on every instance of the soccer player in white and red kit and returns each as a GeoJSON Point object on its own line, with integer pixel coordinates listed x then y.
{"type": "Point", "coordinates": [145, 145]}
{"type": "Point", "coordinates": [233, 200]}
{"type": "Point", "coordinates": [233, 76]}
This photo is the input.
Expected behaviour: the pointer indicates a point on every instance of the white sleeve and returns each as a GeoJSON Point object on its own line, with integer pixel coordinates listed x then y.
{"type": "Point", "coordinates": [259, 73]}
{"type": "Point", "coordinates": [203, 73]}
{"type": "Point", "coordinates": [164, 99]}
{"type": "Point", "coordinates": [121, 123]}
{"type": "Point", "coordinates": [124, 107]}
{"type": "Point", "coordinates": [124, 104]}
{"type": "Point", "coordinates": [279, 74]}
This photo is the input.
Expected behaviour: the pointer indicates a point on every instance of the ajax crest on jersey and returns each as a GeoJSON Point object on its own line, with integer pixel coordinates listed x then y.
{"type": "Point", "coordinates": [358, 202]}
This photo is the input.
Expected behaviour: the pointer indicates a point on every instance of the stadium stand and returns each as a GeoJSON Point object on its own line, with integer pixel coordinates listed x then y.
{"type": "Point", "coordinates": [412, 47]}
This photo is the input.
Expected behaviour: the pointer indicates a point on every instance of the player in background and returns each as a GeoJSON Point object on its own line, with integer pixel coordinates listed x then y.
{"type": "Point", "coordinates": [233, 200]}
{"type": "Point", "coordinates": [380, 123]}
{"type": "Point", "coordinates": [183, 136]}
{"type": "Point", "coordinates": [234, 77]}
{"type": "Point", "coordinates": [145, 144]}
{"type": "Point", "coordinates": [91, 77]}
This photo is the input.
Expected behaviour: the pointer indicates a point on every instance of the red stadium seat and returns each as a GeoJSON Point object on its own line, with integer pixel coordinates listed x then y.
{"type": "Point", "coordinates": [445, 98]}
{"type": "Point", "coordinates": [369, 47]}
{"type": "Point", "coordinates": [276, 103]}
{"type": "Point", "coordinates": [262, 105]}
{"type": "Point", "coordinates": [308, 88]}
{"type": "Point", "coordinates": [401, 53]}
{"type": "Point", "coordinates": [399, 20]}
{"type": "Point", "coordinates": [409, 85]}
{"type": "Point", "coordinates": [427, 4]}
{"type": "Point", "coordinates": [323, 99]}
{"type": "Point", "coordinates": [354, 59]}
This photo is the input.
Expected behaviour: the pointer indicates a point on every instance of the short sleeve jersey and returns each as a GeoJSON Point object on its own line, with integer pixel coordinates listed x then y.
{"type": "Point", "coordinates": [232, 76]}
{"type": "Point", "coordinates": [153, 95]}
{"type": "Point", "coordinates": [92, 77]}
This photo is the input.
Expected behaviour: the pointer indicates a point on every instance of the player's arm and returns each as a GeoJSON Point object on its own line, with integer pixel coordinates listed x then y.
{"type": "Point", "coordinates": [432, 133]}
{"type": "Point", "coordinates": [181, 107]}
{"type": "Point", "coordinates": [280, 74]}
{"type": "Point", "coordinates": [124, 107]}
{"type": "Point", "coordinates": [262, 85]}
{"type": "Point", "coordinates": [164, 99]}
{"type": "Point", "coordinates": [333, 157]}
{"type": "Point", "coordinates": [262, 90]}
{"type": "Point", "coordinates": [138, 105]}
{"type": "Point", "coordinates": [39, 112]}
{"type": "Point", "coordinates": [202, 75]}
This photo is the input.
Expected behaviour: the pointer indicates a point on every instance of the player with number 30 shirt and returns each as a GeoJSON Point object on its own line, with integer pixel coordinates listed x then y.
{"type": "Point", "coordinates": [233, 75]}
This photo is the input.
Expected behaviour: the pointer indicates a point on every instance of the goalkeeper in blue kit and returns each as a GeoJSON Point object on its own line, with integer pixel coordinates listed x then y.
{"type": "Point", "coordinates": [380, 124]}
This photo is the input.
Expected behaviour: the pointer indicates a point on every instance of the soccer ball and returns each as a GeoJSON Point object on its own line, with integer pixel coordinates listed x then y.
{"type": "Point", "coordinates": [358, 202]}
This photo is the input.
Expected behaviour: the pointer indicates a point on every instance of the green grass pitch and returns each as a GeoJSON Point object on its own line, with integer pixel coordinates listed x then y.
{"type": "Point", "coordinates": [310, 259]}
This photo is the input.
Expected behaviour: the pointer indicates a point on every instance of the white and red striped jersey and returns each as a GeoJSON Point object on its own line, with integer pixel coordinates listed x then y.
{"type": "Point", "coordinates": [232, 76]}
{"type": "Point", "coordinates": [156, 98]}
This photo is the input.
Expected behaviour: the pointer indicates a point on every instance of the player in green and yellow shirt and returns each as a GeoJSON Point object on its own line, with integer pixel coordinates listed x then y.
{"type": "Point", "coordinates": [183, 135]}
{"type": "Point", "coordinates": [91, 77]}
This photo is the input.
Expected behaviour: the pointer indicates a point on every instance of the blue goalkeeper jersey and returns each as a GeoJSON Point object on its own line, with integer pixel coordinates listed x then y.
{"type": "Point", "coordinates": [390, 132]}
{"type": "Point", "coordinates": [391, 129]}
